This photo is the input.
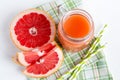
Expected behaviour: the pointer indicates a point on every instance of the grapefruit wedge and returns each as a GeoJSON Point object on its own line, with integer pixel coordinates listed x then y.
{"type": "Point", "coordinates": [41, 62]}
{"type": "Point", "coordinates": [32, 28]}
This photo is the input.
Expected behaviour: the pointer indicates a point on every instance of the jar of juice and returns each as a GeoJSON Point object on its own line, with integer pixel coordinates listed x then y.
{"type": "Point", "coordinates": [75, 30]}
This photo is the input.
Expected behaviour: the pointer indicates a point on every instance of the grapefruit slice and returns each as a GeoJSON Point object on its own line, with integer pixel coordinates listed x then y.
{"type": "Point", "coordinates": [29, 57]}
{"type": "Point", "coordinates": [41, 62]}
{"type": "Point", "coordinates": [32, 28]}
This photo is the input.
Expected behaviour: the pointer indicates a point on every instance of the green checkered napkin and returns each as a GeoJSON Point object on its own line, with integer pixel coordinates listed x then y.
{"type": "Point", "coordinates": [77, 66]}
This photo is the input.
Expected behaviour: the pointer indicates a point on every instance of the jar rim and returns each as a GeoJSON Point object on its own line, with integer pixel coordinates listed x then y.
{"type": "Point", "coordinates": [81, 12]}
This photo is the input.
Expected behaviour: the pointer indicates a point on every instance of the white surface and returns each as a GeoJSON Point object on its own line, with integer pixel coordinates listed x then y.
{"type": "Point", "coordinates": [102, 11]}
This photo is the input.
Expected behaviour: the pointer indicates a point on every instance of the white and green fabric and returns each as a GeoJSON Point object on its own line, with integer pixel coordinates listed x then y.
{"type": "Point", "coordinates": [88, 64]}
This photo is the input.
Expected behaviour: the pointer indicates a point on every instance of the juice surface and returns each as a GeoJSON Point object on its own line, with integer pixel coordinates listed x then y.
{"type": "Point", "coordinates": [76, 26]}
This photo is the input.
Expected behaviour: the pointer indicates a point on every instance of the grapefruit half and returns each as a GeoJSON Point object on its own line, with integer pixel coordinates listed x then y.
{"type": "Point", "coordinates": [41, 62]}
{"type": "Point", "coordinates": [32, 28]}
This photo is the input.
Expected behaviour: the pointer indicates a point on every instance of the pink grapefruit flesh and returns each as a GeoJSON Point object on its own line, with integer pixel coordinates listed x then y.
{"type": "Point", "coordinates": [32, 28]}
{"type": "Point", "coordinates": [42, 61]}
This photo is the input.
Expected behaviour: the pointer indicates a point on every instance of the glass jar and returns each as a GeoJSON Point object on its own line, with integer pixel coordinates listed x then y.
{"type": "Point", "coordinates": [75, 44]}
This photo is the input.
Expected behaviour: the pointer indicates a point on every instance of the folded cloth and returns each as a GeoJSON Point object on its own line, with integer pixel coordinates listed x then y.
{"type": "Point", "coordinates": [95, 68]}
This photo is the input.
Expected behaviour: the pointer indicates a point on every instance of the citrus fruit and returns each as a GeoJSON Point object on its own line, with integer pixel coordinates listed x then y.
{"type": "Point", "coordinates": [42, 61]}
{"type": "Point", "coordinates": [32, 28]}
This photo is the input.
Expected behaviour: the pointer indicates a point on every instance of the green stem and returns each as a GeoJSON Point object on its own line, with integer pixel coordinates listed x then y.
{"type": "Point", "coordinates": [81, 64]}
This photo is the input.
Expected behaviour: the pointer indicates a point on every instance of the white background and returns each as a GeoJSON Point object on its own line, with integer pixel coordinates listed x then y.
{"type": "Point", "coordinates": [102, 11]}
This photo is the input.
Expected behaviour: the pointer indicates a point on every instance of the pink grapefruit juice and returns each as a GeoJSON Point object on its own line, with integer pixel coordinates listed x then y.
{"type": "Point", "coordinates": [75, 30]}
{"type": "Point", "coordinates": [76, 26]}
